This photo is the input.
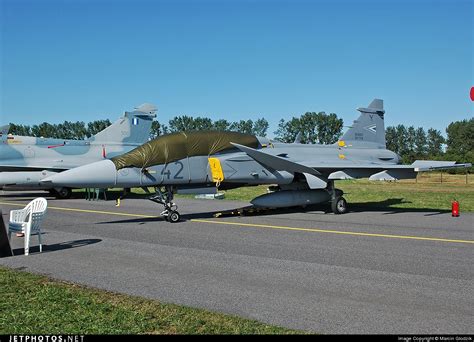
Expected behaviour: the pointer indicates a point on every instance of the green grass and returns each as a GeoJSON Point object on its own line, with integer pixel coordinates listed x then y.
{"type": "Point", "coordinates": [33, 304]}
{"type": "Point", "coordinates": [426, 193]}
{"type": "Point", "coordinates": [405, 195]}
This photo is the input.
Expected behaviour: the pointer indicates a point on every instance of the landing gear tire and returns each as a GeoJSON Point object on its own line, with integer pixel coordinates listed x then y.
{"type": "Point", "coordinates": [62, 193]}
{"type": "Point", "coordinates": [339, 206]}
{"type": "Point", "coordinates": [165, 198]}
{"type": "Point", "coordinates": [174, 216]}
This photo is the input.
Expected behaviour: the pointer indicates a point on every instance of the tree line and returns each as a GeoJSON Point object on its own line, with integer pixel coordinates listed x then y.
{"type": "Point", "coordinates": [412, 143]}
{"type": "Point", "coordinates": [81, 130]}
{"type": "Point", "coordinates": [65, 130]}
{"type": "Point", "coordinates": [409, 143]}
{"type": "Point", "coordinates": [189, 123]}
{"type": "Point", "coordinates": [313, 127]}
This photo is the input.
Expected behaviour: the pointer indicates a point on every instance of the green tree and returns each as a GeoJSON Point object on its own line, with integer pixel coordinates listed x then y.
{"type": "Point", "coordinates": [329, 128]}
{"type": "Point", "coordinates": [314, 127]}
{"type": "Point", "coordinates": [260, 127]}
{"type": "Point", "coordinates": [181, 123]}
{"type": "Point", "coordinates": [391, 140]}
{"type": "Point", "coordinates": [411, 138]}
{"type": "Point", "coordinates": [410, 155]}
{"type": "Point", "coordinates": [72, 130]}
{"type": "Point", "coordinates": [95, 127]}
{"type": "Point", "coordinates": [435, 143]}
{"type": "Point", "coordinates": [288, 130]}
{"type": "Point", "coordinates": [157, 129]}
{"type": "Point", "coordinates": [242, 126]}
{"type": "Point", "coordinates": [221, 125]}
{"type": "Point", "coordinates": [460, 141]}
{"type": "Point", "coordinates": [45, 130]}
{"type": "Point", "coordinates": [188, 123]}
{"type": "Point", "coordinates": [401, 141]}
{"type": "Point", "coordinates": [19, 129]}
{"type": "Point", "coordinates": [421, 143]}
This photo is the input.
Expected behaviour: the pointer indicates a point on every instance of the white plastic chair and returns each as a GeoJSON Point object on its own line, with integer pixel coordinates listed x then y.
{"type": "Point", "coordinates": [28, 221]}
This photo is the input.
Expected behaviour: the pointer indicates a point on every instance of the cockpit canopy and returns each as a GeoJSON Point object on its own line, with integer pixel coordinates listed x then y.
{"type": "Point", "coordinates": [172, 147]}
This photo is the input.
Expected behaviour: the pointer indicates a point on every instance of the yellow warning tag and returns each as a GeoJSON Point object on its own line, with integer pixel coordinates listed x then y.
{"type": "Point", "coordinates": [216, 170]}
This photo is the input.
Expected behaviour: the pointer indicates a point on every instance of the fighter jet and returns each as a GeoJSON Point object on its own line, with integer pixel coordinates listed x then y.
{"type": "Point", "coordinates": [24, 160]}
{"type": "Point", "coordinates": [301, 174]}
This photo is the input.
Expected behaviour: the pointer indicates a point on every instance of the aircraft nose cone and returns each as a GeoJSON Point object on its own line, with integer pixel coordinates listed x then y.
{"type": "Point", "coordinates": [98, 174]}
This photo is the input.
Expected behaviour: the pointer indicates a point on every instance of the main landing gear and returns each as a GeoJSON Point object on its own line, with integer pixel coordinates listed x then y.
{"type": "Point", "coordinates": [165, 196]}
{"type": "Point", "coordinates": [338, 203]}
{"type": "Point", "coordinates": [61, 193]}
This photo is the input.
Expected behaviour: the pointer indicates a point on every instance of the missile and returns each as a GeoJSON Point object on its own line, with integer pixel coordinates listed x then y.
{"type": "Point", "coordinates": [293, 198]}
{"type": "Point", "coordinates": [100, 174]}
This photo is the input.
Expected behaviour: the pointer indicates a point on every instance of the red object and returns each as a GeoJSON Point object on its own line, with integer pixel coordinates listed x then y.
{"type": "Point", "coordinates": [455, 209]}
{"type": "Point", "coordinates": [54, 146]}
{"type": "Point", "coordinates": [472, 94]}
{"type": "Point", "coordinates": [104, 154]}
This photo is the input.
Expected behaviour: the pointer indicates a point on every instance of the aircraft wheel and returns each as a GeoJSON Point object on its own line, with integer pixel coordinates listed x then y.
{"type": "Point", "coordinates": [63, 193]}
{"type": "Point", "coordinates": [339, 206]}
{"type": "Point", "coordinates": [174, 216]}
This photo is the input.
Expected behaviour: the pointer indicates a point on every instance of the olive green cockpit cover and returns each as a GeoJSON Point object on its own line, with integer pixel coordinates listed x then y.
{"type": "Point", "coordinates": [172, 147]}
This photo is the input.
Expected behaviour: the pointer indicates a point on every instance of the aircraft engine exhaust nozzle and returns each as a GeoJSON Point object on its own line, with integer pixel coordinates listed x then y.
{"type": "Point", "coordinates": [100, 174]}
{"type": "Point", "coordinates": [291, 198]}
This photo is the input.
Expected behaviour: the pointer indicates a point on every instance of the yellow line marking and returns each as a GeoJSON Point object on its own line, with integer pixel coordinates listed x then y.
{"type": "Point", "coordinates": [255, 225]}
{"type": "Point", "coordinates": [86, 210]}
{"type": "Point", "coordinates": [314, 230]}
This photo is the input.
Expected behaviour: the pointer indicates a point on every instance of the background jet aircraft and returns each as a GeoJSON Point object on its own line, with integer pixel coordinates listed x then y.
{"type": "Point", "coordinates": [304, 173]}
{"type": "Point", "coordinates": [24, 161]}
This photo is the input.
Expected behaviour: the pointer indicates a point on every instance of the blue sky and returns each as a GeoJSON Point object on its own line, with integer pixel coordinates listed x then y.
{"type": "Point", "coordinates": [236, 59]}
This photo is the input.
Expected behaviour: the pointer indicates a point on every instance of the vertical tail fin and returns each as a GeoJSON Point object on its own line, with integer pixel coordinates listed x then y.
{"type": "Point", "coordinates": [369, 129]}
{"type": "Point", "coordinates": [134, 127]}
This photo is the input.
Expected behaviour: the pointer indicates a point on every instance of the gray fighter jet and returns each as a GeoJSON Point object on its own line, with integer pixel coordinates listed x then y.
{"type": "Point", "coordinates": [303, 174]}
{"type": "Point", "coordinates": [24, 161]}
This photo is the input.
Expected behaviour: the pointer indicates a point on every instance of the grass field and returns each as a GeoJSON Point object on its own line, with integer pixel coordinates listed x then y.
{"type": "Point", "coordinates": [431, 191]}
{"type": "Point", "coordinates": [33, 304]}
{"type": "Point", "coordinates": [426, 193]}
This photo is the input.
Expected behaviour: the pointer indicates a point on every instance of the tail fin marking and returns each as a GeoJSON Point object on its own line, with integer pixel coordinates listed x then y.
{"type": "Point", "coordinates": [368, 130]}
{"type": "Point", "coordinates": [134, 127]}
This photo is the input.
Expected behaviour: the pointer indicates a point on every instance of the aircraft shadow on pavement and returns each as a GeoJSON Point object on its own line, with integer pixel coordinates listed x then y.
{"type": "Point", "coordinates": [144, 220]}
{"type": "Point", "coordinates": [134, 220]}
{"type": "Point", "coordinates": [384, 207]}
{"type": "Point", "coordinates": [19, 196]}
{"type": "Point", "coordinates": [57, 246]}
{"type": "Point", "coordinates": [387, 207]}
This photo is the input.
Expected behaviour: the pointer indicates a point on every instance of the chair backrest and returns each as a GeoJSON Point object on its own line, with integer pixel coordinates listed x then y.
{"type": "Point", "coordinates": [37, 209]}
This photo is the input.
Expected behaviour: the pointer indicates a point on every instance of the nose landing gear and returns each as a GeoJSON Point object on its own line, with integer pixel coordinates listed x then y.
{"type": "Point", "coordinates": [165, 198]}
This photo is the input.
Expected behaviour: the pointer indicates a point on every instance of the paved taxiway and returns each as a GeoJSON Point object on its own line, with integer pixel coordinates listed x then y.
{"type": "Point", "coordinates": [400, 272]}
